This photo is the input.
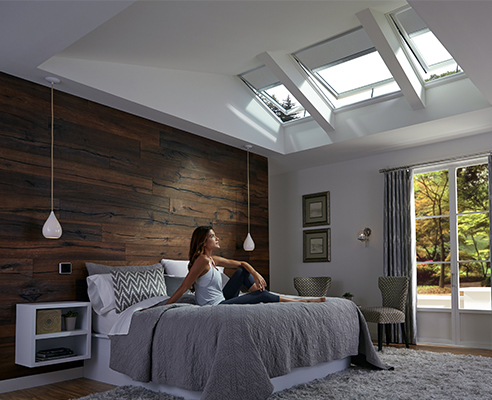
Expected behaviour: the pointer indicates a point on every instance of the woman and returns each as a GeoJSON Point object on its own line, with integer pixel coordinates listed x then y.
{"type": "Point", "coordinates": [205, 276]}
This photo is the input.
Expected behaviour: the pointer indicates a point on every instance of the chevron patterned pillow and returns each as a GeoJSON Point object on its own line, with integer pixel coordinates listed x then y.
{"type": "Point", "coordinates": [132, 287]}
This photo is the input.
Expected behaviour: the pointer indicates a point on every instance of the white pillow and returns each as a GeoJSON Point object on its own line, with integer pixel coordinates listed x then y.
{"type": "Point", "coordinates": [175, 267]}
{"type": "Point", "coordinates": [101, 293]}
{"type": "Point", "coordinates": [178, 268]}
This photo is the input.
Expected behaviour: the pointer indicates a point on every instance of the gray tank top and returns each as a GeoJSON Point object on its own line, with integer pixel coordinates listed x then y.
{"type": "Point", "coordinates": [208, 288]}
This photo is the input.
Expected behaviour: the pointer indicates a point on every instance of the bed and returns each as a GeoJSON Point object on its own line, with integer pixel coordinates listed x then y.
{"type": "Point", "coordinates": [220, 352]}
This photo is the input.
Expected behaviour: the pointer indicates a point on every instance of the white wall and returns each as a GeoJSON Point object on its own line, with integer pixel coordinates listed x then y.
{"type": "Point", "coordinates": [356, 190]}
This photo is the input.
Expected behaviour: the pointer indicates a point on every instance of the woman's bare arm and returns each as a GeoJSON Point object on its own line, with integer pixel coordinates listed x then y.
{"type": "Point", "coordinates": [196, 270]}
{"type": "Point", "coordinates": [260, 283]}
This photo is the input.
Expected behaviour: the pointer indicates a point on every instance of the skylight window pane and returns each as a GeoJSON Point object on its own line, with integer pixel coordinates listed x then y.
{"type": "Point", "coordinates": [279, 93]}
{"type": "Point", "coordinates": [285, 103]}
{"type": "Point", "coordinates": [273, 94]}
{"type": "Point", "coordinates": [356, 73]}
{"type": "Point", "coordinates": [431, 49]}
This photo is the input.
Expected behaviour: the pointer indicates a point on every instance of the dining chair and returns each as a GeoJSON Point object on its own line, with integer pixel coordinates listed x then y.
{"type": "Point", "coordinates": [394, 290]}
{"type": "Point", "coordinates": [317, 286]}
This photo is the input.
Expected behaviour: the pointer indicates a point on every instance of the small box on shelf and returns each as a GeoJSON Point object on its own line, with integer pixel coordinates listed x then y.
{"type": "Point", "coordinates": [48, 321]}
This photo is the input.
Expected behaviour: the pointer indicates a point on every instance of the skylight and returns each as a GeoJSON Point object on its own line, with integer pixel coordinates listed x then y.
{"type": "Point", "coordinates": [429, 56]}
{"type": "Point", "coordinates": [347, 69]}
{"type": "Point", "coordinates": [273, 94]}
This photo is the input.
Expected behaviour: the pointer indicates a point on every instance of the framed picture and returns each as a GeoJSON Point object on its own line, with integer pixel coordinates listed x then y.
{"type": "Point", "coordinates": [316, 245]}
{"type": "Point", "coordinates": [316, 209]}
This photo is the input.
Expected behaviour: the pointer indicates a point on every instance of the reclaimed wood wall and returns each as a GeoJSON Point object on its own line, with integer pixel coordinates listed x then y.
{"type": "Point", "coordinates": [127, 191]}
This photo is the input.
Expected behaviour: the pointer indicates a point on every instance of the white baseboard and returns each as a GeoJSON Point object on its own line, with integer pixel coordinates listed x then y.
{"type": "Point", "coordinates": [26, 382]}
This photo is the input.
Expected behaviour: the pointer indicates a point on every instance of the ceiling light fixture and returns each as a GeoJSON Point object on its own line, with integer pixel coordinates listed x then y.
{"type": "Point", "coordinates": [249, 244]}
{"type": "Point", "coordinates": [52, 228]}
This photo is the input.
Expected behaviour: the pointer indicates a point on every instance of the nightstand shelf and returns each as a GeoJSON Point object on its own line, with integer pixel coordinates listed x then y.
{"type": "Point", "coordinates": [28, 342]}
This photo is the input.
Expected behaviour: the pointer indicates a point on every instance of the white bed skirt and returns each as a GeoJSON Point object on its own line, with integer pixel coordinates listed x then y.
{"type": "Point", "coordinates": [97, 368]}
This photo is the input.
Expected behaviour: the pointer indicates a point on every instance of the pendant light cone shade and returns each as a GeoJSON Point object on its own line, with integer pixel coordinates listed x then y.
{"type": "Point", "coordinates": [249, 244]}
{"type": "Point", "coordinates": [52, 228]}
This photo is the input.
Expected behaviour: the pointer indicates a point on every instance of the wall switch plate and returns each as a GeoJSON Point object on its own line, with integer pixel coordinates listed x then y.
{"type": "Point", "coordinates": [65, 268]}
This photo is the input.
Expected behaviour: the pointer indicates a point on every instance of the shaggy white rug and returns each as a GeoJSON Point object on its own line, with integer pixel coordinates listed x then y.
{"type": "Point", "coordinates": [417, 375]}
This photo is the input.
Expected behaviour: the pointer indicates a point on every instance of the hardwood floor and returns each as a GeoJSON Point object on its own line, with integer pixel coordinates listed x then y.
{"type": "Point", "coordinates": [83, 387]}
{"type": "Point", "coordinates": [448, 349]}
{"type": "Point", "coordinates": [59, 391]}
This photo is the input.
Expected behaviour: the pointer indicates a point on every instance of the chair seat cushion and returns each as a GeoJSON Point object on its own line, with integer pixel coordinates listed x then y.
{"type": "Point", "coordinates": [383, 315]}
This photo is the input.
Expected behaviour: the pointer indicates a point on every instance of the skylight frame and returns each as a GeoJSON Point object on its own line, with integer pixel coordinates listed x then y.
{"type": "Point", "coordinates": [416, 57]}
{"type": "Point", "coordinates": [328, 92]}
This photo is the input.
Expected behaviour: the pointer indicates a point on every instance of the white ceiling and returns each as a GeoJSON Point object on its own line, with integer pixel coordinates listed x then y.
{"type": "Point", "coordinates": [175, 62]}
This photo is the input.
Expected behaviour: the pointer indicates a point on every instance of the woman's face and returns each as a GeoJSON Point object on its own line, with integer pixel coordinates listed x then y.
{"type": "Point", "coordinates": [212, 241]}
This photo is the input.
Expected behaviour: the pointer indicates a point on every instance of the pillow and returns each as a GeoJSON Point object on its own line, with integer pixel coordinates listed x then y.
{"type": "Point", "coordinates": [173, 283]}
{"type": "Point", "coordinates": [93, 268]}
{"type": "Point", "coordinates": [101, 294]}
{"type": "Point", "coordinates": [175, 267]}
{"type": "Point", "coordinates": [131, 287]}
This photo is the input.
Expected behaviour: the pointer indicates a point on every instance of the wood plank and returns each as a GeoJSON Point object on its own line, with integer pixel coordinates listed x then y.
{"type": "Point", "coordinates": [61, 249]}
{"type": "Point", "coordinates": [16, 227]}
{"type": "Point", "coordinates": [7, 316]}
{"type": "Point", "coordinates": [68, 170]}
{"type": "Point", "coordinates": [60, 391]}
{"type": "Point", "coordinates": [15, 267]}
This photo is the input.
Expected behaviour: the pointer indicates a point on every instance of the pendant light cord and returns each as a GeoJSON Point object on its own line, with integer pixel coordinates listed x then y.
{"type": "Point", "coordinates": [248, 190]}
{"type": "Point", "coordinates": [52, 139]}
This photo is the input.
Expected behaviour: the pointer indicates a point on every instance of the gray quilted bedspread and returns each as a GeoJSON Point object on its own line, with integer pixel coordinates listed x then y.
{"type": "Point", "coordinates": [231, 351]}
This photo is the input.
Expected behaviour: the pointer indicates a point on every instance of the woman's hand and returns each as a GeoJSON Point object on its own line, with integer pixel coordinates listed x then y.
{"type": "Point", "coordinates": [260, 283]}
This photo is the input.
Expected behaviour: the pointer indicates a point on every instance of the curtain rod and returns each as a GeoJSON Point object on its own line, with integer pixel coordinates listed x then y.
{"type": "Point", "coordinates": [428, 164]}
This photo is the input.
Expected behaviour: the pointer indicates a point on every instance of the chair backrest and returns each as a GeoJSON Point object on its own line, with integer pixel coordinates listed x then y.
{"type": "Point", "coordinates": [315, 286]}
{"type": "Point", "coordinates": [394, 290]}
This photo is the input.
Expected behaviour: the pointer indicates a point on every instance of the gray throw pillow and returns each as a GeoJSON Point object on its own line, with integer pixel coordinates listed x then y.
{"type": "Point", "coordinates": [173, 283]}
{"type": "Point", "coordinates": [131, 287]}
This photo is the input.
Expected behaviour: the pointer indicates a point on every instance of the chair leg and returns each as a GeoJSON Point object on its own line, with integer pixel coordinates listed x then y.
{"type": "Point", "coordinates": [404, 335]}
{"type": "Point", "coordinates": [380, 337]}
{"type": "Point", "coordinates": [388, 333]}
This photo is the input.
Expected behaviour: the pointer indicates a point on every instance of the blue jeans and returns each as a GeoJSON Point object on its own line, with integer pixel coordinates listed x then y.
{"type": "Point", "coordinates": [233, 287]}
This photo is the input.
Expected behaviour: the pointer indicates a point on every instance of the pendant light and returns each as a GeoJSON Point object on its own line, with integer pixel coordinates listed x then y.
{"type": "Point", "coordinates": [248, 244]}
{"type": "Point", "coordinates": [52, 228]}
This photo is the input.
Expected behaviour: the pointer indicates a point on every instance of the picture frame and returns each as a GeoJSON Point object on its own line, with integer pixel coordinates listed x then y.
{"type": "Point", "coordinates": [317, 245]}
{"type": "Point", "coordinates": [316, 209]}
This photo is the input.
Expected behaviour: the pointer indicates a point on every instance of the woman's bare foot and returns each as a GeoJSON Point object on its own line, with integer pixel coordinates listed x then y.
{"type": "Point", "coordinates": [284, 299]}
{"type": "Point", "coordinates": [316, 300]}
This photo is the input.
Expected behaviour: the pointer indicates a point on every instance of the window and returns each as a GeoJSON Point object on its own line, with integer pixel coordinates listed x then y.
{"type": "Point", "coordinates": [347, 69]}
{"type": "Point", "coordinates": [452, 237]}
{"type": "Point", "coordinates": [429, 56]}
{"type": "Point", "coordinates": [273, 94]}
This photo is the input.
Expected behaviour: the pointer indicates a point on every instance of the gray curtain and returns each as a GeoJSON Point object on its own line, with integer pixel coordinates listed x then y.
{"type": "Point", "coordinates": [399, 247]}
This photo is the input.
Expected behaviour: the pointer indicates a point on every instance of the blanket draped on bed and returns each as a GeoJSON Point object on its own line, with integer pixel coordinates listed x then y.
{"type": "Point", "coordinates": [231, 351]}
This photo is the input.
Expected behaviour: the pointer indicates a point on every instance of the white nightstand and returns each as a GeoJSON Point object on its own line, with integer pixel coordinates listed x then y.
{"type": "Point", "coordinates": [28, 342]}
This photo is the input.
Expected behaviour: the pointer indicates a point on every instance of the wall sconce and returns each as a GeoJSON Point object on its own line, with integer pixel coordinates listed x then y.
{"type": "Point", "coordinates": [364, 235]}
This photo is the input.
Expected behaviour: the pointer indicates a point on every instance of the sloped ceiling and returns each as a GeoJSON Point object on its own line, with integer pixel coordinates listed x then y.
{"type": "Point", "coordinates": [176, 61]}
